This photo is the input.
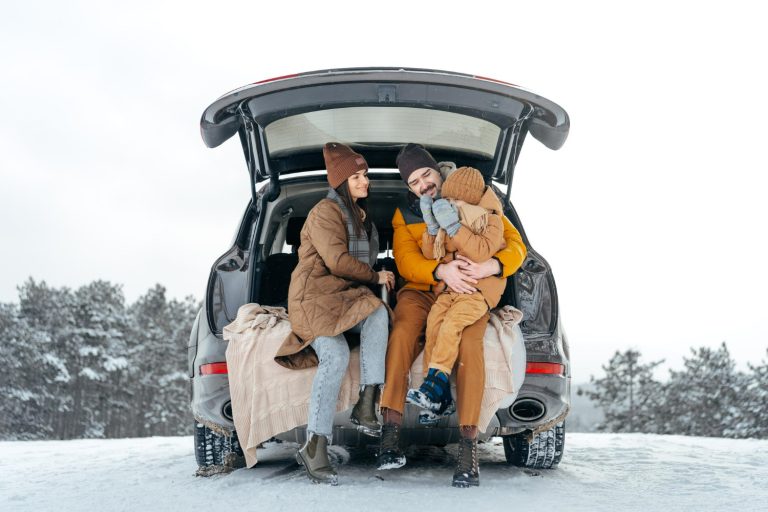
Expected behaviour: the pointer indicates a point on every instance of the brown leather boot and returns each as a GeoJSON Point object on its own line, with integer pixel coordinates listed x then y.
{"type": "Point", "coordinates": [364, 413]}
{"type": "Point", "coordinates": [467, 472]}
{"type": "Point", "coordinates": [314, 457]}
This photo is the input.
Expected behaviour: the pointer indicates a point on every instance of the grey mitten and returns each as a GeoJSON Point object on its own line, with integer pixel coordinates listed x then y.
{"type": "Point", "coordinates": [425, 202]}
{"type": "Point", "coordinates": [447, 216]}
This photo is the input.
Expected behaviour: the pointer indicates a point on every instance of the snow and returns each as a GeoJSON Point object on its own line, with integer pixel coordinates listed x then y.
{"type": "Point", "coordinates": [56, 362]}
{"type": "Point", "coordinates": [88, 350]}
{"type": "Point", "coordinates": [91, 374]}
{"type": "Point", "coordinates": [616, 472]}
{"type": "Point", "coordinates": [112, 364]}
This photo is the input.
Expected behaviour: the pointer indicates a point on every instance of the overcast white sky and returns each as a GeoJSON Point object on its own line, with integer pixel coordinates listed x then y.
{"type": "Point", "coordinates": [649, 215]}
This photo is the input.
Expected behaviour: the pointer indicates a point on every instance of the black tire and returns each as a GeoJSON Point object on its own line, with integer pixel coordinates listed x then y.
{"type": "Point", "coordinates": [212, 449]}
{"type": "Point", "coordinates": [544, 452]}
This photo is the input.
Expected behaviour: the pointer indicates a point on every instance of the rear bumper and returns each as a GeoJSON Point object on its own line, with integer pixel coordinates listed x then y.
{"type": "Point", "coordinates": [212, 399]}
{"type": "Point", "coordinates": [211, 405]}
{"type": "Point", "coordinates": [553, 392]}
{"type": "Point", "coordinates": [210, 402]}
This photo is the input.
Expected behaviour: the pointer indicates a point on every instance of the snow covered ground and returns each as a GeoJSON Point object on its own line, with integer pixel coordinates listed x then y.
{"type": "Point", "coordinates": [617, 472]}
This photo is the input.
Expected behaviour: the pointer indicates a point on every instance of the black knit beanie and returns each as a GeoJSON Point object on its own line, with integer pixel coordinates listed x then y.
{"type": "Point", "coordinates": [413, 157]}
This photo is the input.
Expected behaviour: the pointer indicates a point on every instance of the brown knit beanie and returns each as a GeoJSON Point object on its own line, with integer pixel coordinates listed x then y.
{"type": "Point", "coordinates": [413, 157]}
{"type": "Point", "coordinates": [465, 184]}
{"type": "Point", "coordinates": [341, 163]}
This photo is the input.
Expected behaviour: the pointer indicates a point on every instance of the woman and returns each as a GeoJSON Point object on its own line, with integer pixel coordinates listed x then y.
{"type": "Point", "coordinates": [328, 296]}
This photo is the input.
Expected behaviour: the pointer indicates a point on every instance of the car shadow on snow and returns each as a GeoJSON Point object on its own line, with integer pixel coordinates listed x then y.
{"type": "Point", "coordinates": [358, 464]}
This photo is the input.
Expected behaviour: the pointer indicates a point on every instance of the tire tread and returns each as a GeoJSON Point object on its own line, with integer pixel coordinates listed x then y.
{"type": "Point", "coordinates": [545, 452]}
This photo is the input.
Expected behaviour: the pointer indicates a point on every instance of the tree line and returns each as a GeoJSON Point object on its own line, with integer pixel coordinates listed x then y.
{"type": "Point", "coordinates": [708, 397]}
{"type": "Point", "coordinates": [83, 364]}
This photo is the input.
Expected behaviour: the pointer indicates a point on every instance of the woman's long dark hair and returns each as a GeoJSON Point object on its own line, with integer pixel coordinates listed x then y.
{"type": "Point", "coordinates": [352, 207]}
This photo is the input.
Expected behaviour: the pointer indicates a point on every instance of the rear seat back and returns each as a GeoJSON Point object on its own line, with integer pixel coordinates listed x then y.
{"type": "Point", "coordinates": [277, 275]}
{"type": "Point", "coordinates": [278, 266]}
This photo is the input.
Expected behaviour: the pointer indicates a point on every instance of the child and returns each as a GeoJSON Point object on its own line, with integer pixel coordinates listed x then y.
{"type": "Point", "coordinates": [470, 214]}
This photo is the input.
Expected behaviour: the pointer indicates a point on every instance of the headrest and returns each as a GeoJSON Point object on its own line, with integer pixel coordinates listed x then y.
{"type": "Point", "coordinates": [385, 237]}
{"type": "Point", "coordinates": [293, 231]}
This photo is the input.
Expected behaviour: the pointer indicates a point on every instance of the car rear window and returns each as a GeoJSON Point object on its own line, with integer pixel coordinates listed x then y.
{"type": "Point", "coordinates": [382, 125]}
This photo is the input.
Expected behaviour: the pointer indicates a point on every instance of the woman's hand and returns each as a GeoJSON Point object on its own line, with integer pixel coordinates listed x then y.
{"type": "Point", "coordinates": [387, 278]}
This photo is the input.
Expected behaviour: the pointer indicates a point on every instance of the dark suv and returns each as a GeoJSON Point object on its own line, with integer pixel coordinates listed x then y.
{"type": "Point", "coordinates": [282, 125]}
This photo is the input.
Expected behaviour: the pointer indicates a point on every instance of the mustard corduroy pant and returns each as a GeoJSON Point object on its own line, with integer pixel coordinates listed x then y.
{"type": "Point", "coordinates": [450, 315]}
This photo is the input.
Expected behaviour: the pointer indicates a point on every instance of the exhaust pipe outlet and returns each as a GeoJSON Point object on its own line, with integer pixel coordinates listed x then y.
{"type": "Point", "coordinates": [226, 411]}
{"type": "Point", "coordinates": [527, 409]}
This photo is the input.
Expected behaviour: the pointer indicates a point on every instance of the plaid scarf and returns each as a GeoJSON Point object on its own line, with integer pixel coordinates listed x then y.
{"type": "Point", "coordinates": [360, 246]}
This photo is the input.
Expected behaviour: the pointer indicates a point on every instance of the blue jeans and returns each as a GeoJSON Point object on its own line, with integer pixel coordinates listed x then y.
{"type": "Point", "coordinates": [333, 353]}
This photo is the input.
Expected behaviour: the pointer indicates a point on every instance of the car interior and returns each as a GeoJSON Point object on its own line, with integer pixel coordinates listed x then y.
{"type": "Point", "coordinates": [281, 235]}
{"type": "Point", "coordinates": [281, 238]}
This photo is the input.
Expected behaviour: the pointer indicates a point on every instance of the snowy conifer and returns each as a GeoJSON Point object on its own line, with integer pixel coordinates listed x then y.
{"type": "Point", "coordinates": [49, 312]}
{"type": "Point", "coordinates": [29, 376]}
{"type": "Point", "coordinates": [704, 399]}
{"type": "Point", "coordinates": [628, 394]}
{"type": "Point", "coordinates": [159, 332]}
{"type": "Point", "coordinates": [753, 420]}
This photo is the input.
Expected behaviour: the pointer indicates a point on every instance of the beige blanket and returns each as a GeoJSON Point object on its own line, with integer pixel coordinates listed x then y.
{"type": "Point", "coordinates": [268, 399]}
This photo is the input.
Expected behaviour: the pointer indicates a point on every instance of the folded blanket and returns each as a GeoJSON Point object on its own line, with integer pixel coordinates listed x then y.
{"type": "Point", "coordinates": [269, 399]}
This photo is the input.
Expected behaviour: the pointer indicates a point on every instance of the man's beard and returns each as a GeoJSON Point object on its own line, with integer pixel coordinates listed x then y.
{"type": "Point", "coordinates": [428, 189]}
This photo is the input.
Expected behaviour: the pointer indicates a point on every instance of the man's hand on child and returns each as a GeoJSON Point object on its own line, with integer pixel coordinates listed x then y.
{"type": "Point", "coordinates": [474, 270]}
{"type": "Point", "coordinates": [455, 278]}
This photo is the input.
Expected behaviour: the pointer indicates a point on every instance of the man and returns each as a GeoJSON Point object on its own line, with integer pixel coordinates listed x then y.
{"type": "Point", "coordinates": [420, 172]}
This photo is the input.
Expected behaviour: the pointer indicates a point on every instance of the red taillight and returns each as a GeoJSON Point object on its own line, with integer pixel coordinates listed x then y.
{"type": "Point", "coordinates": [275, 79]}
{"type": "Point", "coordinates": [495, 80]}
{"type": "Point", "coordinates": [213, 368]}
{"type": "Point", "coordinates": [547, 368]}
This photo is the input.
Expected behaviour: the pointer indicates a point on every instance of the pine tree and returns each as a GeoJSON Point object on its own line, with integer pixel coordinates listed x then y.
{"type": "Point", "coordinates": [99, 358]}
{"type": "Point", "coordinates": [85, 335]}
{"type": "Point", "coordinates": [159, 332]}
{"type": "Point", "coordinates": [628, 394]}
{"type": "Point", "coordinates": [30, 372]}
{"type": "Point", "coordinates": [49, 312]}
{"type": "Point", "coordinates": [705, 399]}
{"type": "Point", "coordinates": [753, 420]}
{"type": "Point", "coordinates": [81, 364]}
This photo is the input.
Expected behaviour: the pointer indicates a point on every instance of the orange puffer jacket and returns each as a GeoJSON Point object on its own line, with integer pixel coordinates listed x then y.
{"type": "Point", "coordinates": [418, 271]}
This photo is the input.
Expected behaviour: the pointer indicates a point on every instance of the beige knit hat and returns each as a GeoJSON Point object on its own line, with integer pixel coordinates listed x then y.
{"type": "Point", "coordinates": [341, 163]}
{"type": "Point", "coordinates": [465, 184]}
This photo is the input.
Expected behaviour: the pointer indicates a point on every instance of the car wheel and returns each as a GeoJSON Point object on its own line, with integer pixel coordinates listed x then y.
{"type": "Point", "coordinates": [544, 452]}
{"type": "Point", "coordinates": [214, 450]}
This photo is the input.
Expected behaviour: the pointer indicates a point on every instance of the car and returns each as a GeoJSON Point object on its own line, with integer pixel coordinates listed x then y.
{"type": "Point", "coordinates": [282, 124]}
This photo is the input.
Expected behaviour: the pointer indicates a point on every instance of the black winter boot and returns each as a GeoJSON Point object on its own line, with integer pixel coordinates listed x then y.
{"type": "Point", "coordinates": [364, 413]}
{"type": "Point", "coordinates": [314, 457]}
{"type": "Point", "coordinates": [467, 472]}
{"type": "Point", "coordinates": [390, 455]}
